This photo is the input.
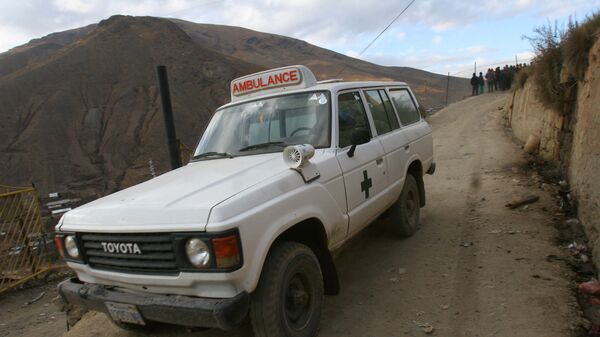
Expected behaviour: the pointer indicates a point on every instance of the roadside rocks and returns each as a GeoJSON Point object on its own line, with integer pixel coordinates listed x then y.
{"type": "Point", "coordinates": [426, 327]}
{"type": "Point", "coordinates": [532, 145]}
{"type": "Point", "coordinates": [571, 237]}
{"type": "Point", "coordinates": [73, 313]}
{"type": "Point", "coordinates": [522, 202]}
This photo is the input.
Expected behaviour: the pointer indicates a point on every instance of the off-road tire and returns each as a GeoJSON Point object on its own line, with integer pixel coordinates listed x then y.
{"type": "Point", "coordinates": [405, 213]}
{"type": "Point", "coordinates": [288, 265]}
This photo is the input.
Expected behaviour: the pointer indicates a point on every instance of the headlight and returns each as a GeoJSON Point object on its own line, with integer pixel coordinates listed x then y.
{"type": "Point", "coordinates": [197, 252]}
{"type": "Point", "coordinates": [71, 247]}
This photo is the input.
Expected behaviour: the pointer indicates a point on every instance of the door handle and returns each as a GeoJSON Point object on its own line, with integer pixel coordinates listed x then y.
{"type": "Point", "coordinates": [406, 147]}
{"type": "Point", "coordinates": [379, 160]}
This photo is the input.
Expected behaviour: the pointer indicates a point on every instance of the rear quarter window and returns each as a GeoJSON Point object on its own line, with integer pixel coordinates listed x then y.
{"type": "Point", "coordinates": [407, 110]}
{"type": "Point", "coordinates": [381, 110]}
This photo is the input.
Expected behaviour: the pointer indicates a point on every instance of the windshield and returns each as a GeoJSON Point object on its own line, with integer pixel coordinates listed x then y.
{"type": "Point", "coordinates": [268, 125]}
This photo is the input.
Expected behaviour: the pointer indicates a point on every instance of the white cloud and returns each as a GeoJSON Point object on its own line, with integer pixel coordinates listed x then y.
{"type": "Point", "coordinates": [479, 49]}
{"type": "Point", "coordinates": [341, 25]}
{"type": "Point", "coordinates": [523, 3]}
{"type": "Point", "coordinates": [421, 59]}
{"type": "Point", "coordinates": [440, 27]}
{"type": "Point", "coordinates": [352, 53]}
{"type": "Point", "coordinates": [10, 37]}
{"type": "Point", "coordinates": [333, 24]}
{"type": "Point", "coordinates": [525, 57]}
{"type": "Point", "coordinates": [554, 8]}
{"type": "Point", "coordinates": [77, 6]}
{"type": "Point", "coordinates": [152, 7]}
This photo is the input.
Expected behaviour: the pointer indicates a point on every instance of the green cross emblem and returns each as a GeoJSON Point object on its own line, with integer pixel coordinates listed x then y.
{"type": "Point", "coordinates": [366, 184]}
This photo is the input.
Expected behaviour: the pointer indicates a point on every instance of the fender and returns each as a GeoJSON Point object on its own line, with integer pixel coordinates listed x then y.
{"type": "Point", "coordinates": [261, 225]}
{"type": "Point", "coordinates": [415, 158]}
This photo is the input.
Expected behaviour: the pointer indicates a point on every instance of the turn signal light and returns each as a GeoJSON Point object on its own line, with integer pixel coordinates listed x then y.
{"type": "Point", "coordinates": [227, 251]}
{"type": "Point", "coordinates": [58, 240]}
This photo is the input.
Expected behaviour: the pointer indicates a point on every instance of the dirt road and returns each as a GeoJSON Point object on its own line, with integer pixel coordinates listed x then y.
{"type": "Point", "coordinates": [475, 268]}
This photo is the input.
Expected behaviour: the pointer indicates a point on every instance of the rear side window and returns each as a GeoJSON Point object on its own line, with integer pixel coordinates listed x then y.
{"type": "Point", "coordinates": [351, 116]}
{"type": "Point", "coordinates": [383, 114]}
{"type": "Point", "coordinates": [405, 106]}
{"type": "Point", "coordinates": [389, 110]}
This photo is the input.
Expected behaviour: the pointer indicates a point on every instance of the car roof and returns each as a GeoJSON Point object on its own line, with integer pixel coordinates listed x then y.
{"type": "Point", "coordinates": [328, 85]}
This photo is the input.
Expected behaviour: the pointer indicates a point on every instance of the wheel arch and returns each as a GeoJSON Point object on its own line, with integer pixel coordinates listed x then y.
{"type": "Point", "coordinates": [416, 170]}
{"type": "Point", "coordinates": [311, 233]}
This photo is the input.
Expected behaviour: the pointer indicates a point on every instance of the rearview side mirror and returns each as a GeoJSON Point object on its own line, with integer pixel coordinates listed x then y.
{"type": "Point", "coordinates": [358, 137]}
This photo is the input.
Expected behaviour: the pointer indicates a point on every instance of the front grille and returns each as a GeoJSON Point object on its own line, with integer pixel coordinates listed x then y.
{"type": "Point", "coordinates": [157, 253]}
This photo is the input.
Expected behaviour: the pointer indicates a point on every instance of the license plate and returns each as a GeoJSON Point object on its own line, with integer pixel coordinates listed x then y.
{"type": "Point", "coordinates": [125, 313]}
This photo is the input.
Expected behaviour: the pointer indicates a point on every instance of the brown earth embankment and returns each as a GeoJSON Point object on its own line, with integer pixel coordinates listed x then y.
{"type": "Point", "coordinates": [571, 141]}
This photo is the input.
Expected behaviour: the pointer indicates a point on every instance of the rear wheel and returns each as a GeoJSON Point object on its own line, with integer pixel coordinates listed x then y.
{"type": "Point", "coordinates": [289, 297]}
{"type": "Point", "coordinates": [405, 213]}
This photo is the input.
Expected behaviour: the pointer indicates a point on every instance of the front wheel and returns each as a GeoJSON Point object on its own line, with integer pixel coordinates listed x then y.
{"type": "Point", "coordinates": [289, 297]}
{"type": "Point", "coordinates": [405, 213]}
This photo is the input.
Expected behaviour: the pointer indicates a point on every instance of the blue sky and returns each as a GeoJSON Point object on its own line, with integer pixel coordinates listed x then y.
{"type": "Point", "coordinates": [438, 36]}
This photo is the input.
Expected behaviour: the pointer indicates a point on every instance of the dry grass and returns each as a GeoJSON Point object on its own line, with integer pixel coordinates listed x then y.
{"type": "Point", "coordinates": [521, 78]}
{"type": "Point", "coordinates": [547, 66]}
{"type": "Point", "coordinates": [577, 45]}
{"type": "Point", "coordinates": [546, 75]}
{"type": "Point", "coordinates": [562, 60]}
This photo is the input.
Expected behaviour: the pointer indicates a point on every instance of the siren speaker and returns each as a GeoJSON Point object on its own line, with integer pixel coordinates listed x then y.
{"type": "Point", "coordinates": [296, 156]}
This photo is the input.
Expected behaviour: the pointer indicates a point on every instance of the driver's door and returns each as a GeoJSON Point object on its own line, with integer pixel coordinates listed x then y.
{"type": "Point", "coordinates": [365, 172]}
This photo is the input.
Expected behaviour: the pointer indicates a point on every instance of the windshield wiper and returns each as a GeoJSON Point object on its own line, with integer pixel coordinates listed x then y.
{"type": "Point", "coordinates": [212, 154]}
{"type": "Point", "coordinates": [261, 145]}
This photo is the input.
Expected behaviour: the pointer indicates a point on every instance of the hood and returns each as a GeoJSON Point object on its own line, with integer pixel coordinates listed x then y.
{"type": "Point", "coordinates": [179, 200]}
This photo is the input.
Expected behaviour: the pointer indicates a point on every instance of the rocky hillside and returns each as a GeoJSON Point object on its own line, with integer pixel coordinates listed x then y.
{"type": "Point", "coordinates": [79, 110]}
{"type": "Point", "coordinates": [270, 50]}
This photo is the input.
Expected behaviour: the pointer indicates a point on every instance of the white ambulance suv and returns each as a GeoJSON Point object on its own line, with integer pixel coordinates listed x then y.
{"type": "Point", "coordinates": [282, 176]}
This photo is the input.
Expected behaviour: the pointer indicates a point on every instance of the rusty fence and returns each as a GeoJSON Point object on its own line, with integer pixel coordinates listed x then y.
{"type": "Point", "coordinates": [26, 251]}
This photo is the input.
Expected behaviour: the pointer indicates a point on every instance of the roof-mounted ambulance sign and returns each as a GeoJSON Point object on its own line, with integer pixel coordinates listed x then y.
{"type": "Point", "coordinates": [280, 79]}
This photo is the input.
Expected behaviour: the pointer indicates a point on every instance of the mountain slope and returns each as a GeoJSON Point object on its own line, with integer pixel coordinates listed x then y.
{"type": "Point", "coordinates": [39, 49]}
{"type": "Point", "coordinates": [79, 110]}
{"type": "Point", "coordinates": [88, 117]}
{"type": "Point", "coordinates": [271, 50]}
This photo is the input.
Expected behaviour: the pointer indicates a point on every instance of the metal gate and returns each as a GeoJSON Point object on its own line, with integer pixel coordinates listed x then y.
{"type": "Point", "coordinates": [23, 244]}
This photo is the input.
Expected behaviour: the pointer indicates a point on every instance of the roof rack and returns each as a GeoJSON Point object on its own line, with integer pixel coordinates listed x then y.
{"type": "Point", "coordinates": [333, 80]}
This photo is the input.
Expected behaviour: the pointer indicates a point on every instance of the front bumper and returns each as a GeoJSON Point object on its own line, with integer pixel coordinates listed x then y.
{"type": "Point", "coordinates": [223, 313]}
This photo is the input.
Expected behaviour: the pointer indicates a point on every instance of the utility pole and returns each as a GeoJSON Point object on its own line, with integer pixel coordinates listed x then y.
{"type": "Point", "coordinates": [475, 68]}
{"type": "Point", "coordinates": [516, 61]}
{"type": "Point", "coordinates": [165, 97]}
{"type": "Point", "coordinates": [447, 88]}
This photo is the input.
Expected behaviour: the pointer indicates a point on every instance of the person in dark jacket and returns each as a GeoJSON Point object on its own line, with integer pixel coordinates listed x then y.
{"type": "Point", "coordinates": [481, 82]}
{"type": "Point", "coordinates": [475, 84]}
{"type": "Point", "coordinates": [497, 79]}
{"type": "Point", "coordinates": [489, 79]}
{"type": "Point", "coordinates": [505, 78]}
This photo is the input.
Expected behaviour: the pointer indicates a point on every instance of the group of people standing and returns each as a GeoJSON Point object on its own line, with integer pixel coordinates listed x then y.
{"type": "Point", "coordinates": [496, 79]}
